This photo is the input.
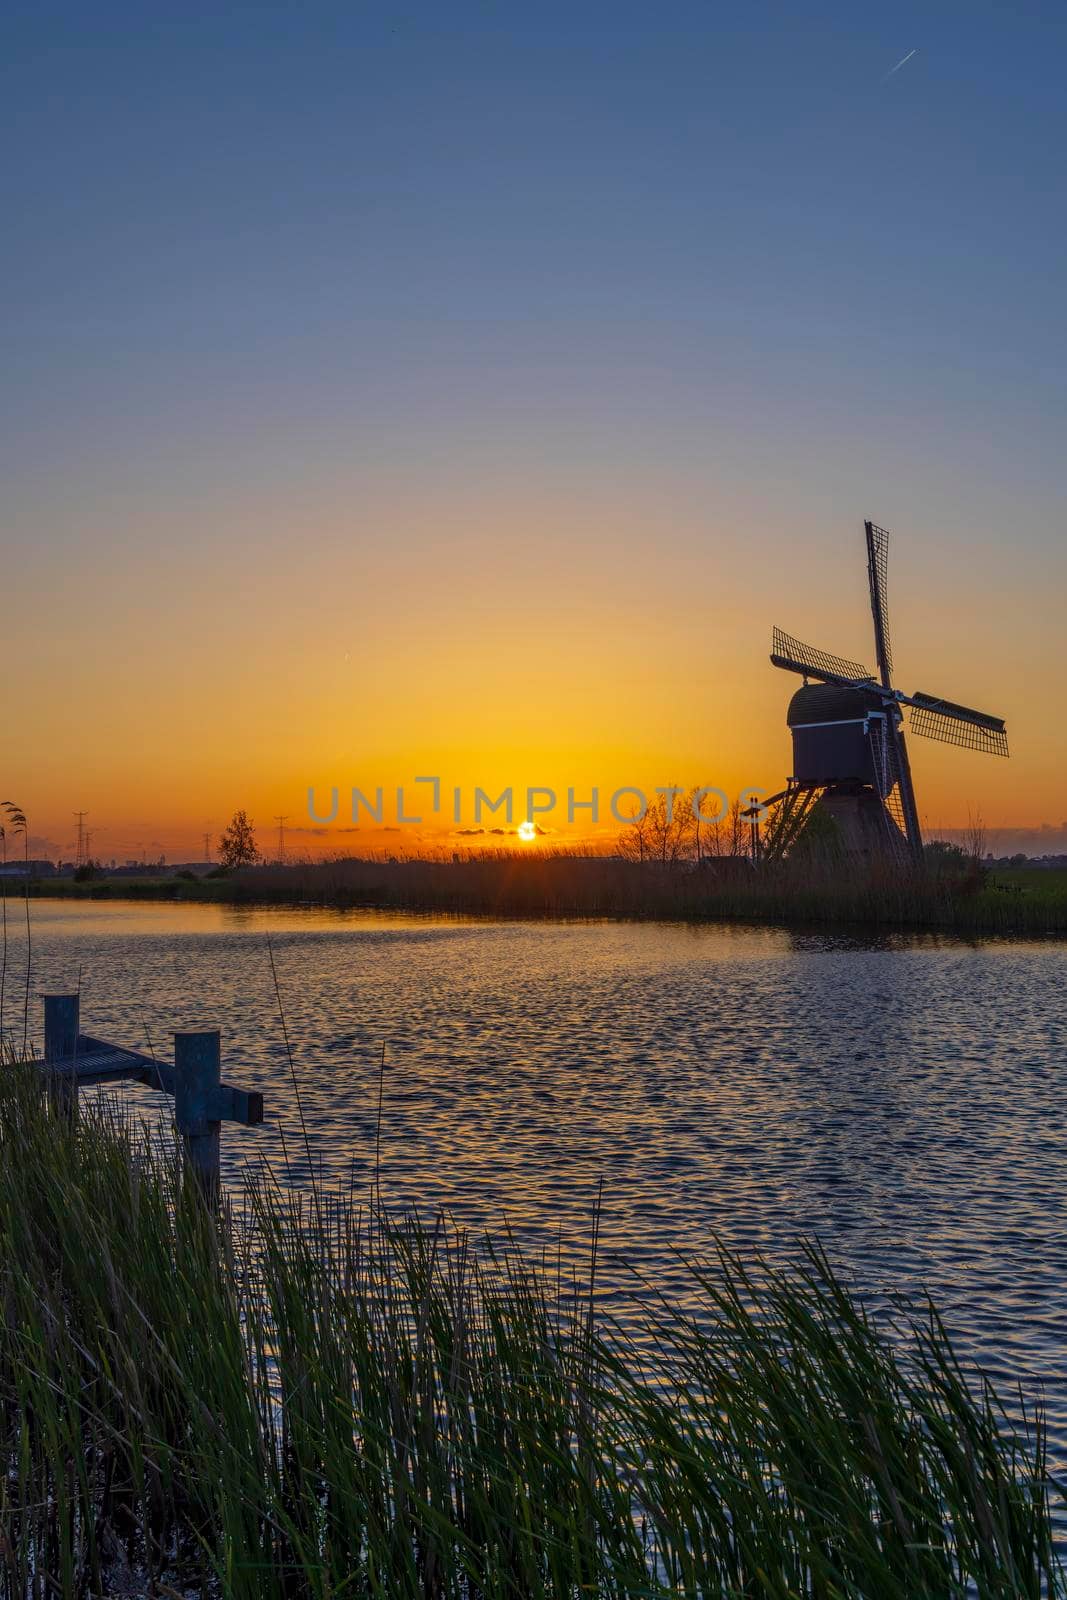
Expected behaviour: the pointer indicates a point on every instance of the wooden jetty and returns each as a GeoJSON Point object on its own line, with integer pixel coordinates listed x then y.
{"type": "Point", "coordinates": [202, 1102]}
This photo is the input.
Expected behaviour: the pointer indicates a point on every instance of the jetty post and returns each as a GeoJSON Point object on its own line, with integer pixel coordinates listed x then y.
{"type": "Point", "coordinates": [197, 1085]}
{"type": "Point", "coordinates": [61, 1046]}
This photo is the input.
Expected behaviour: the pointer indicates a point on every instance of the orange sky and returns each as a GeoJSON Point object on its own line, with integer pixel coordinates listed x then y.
{"type": "Point", "coordinates": [491, 637]}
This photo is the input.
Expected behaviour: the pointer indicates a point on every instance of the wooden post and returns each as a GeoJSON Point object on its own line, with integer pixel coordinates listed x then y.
{"type": "Point", "coordinates": [197, 1067]}
{"type": "Point", "coordinates": [61, 1044]}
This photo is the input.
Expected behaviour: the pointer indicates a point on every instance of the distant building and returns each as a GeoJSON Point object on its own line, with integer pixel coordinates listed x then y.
{"type": "Point", "coordinates": [27, 869]}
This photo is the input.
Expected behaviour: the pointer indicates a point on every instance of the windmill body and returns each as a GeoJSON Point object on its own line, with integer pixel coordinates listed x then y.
{"type": "Point", "coordinates": [849, 754]}
{"type": "Point", "coordinates": [830, 725]}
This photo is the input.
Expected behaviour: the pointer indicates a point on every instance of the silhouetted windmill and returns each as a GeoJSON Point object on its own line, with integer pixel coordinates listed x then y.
{"type": "Point", "coordinates": [848, 738]}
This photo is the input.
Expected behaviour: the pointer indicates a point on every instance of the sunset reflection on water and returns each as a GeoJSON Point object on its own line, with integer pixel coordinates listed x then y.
{"type": "Point", "coordinates": [901, 1098]}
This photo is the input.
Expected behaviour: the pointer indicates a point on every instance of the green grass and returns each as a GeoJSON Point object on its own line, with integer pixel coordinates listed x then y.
{"type": "Point", "coordinates": [302, 1399]}
{"type": "Point", "coordinates": [1035, 883]}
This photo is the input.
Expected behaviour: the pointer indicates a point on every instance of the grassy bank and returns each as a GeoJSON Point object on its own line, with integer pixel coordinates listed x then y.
{"type": "Point", "coordinates": [307, 1402]}
{"type": "Point", "coordinates": [546, 884]}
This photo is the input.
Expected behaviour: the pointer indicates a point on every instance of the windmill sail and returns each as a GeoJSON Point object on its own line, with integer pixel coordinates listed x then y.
{"type": "Point", "coordinates": [792, 656]}
{"type": "Point", "coordinates": [893, 782]}
{"type": "Point", "coordinates": [900, 801]}
{"type": "Point", "coordinates": [877, 554]}
{"type": "Point", "coordinates": [935, 718]}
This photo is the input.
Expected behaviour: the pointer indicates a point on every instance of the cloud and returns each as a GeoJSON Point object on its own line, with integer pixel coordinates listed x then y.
{"type": "Point", "coordinates": [901, 63]}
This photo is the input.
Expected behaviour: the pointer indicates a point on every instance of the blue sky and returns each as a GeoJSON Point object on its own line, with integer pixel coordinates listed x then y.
{"type": "Point", "coordinates": [358, 197]}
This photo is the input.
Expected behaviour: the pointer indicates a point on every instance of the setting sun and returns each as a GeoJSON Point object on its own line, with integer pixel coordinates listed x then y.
{"type": "Point", "coordinates": [527, 832]}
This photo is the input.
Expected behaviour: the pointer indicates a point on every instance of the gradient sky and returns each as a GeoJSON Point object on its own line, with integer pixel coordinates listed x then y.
{"type": "Point", "coordinates": [467, 388]}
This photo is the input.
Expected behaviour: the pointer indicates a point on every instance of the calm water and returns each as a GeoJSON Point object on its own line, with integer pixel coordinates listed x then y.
{"type": "Point", "coordinates": [902, 1098]}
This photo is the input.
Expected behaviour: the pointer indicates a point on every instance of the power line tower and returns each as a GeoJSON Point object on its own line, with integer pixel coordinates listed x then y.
{"type": "Point", "coordinates": [207, 847]}
{"type": "Point", "coordinates": [281, 821]}
{"type": "Point", "coordinates": [81, 848]}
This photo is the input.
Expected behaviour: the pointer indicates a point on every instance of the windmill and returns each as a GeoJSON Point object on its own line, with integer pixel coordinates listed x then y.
{"type": "Point", "coordinates": [849, 754]}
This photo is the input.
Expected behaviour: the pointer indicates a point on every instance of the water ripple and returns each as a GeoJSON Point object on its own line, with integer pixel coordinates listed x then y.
{"type": "Point", "coordinates": [901, 1098]}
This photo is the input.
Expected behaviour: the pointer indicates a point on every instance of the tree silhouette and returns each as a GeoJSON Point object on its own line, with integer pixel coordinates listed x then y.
{"type": "Point", "coordinates": [237, 843]}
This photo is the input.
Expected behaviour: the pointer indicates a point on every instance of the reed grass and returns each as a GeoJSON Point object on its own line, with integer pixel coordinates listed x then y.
{"type": "Point", "coordinates": [16, 821]}
{"type": "Point", "coordinates": [727, 889]}
{"type": "Point", "coordinates": [314, 1399]}
{"type": "Point", "coordinates": [549, 883]}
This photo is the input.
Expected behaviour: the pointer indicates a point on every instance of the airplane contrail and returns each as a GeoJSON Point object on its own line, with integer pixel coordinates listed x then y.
{"type": "Point", "coordinates": [902, 62]}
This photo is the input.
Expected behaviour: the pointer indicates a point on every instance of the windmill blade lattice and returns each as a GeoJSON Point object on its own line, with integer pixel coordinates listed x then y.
{"type": "Point", "coordinates": [789, 653]}
{"type": "Point", "coordinates": [877, 560]}
{"type": "Point", "coordinates": [891, 781]}
{"type": "Point", "coordinates": [933, 718]}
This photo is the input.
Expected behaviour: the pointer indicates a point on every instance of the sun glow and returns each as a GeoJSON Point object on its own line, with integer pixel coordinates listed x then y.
{"type": "Point", "coordinates": [527, 832]}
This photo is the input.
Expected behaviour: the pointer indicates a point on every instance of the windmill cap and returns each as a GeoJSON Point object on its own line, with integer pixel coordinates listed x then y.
{"type": "Point", "coordinates": [828, 702]}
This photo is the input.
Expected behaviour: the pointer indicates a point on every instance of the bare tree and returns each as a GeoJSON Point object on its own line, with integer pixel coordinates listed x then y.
{"type": "Point", "coordinates": [666, 832]}
{"type": "Point", "coordinates": [737, 831]}
{"type": "Point", "coordinates": [634, 841]}
{"type": "Point", "coordinates": [728, 836]}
